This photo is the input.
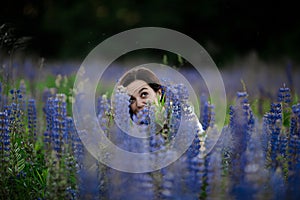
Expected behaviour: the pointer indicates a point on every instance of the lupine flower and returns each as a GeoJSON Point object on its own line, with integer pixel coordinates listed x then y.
{"type": "Point", "coordinates": [142, 117]}
{"type": "Point", "coordinates": [284, 95]}
{"type": "Point", "coordinates": [76, 143]}
{"type": "Point", "coordinates": [143, 186]}
{"type": "Point", "coordinates": [103, 112]}
{"type": "Point", "coordinates": [4, 140]}
{"type": "Point", "coordinates": [195, 169]}
{"type": "Point", "coordinates": [274, 118]}
{"type": "Point", "coordinates": [294, 140]}
{"type": "Point", "coordinates": [32, 119]}
{"type": "Point", "coordinates": [168, 191]}
{"type": "Point", "coordinates": [214, 180]}
{"type": "Point", "coordinates": [207, 113]}
{"type": "Point", "coordinates": [1, 98]}
{"type": "Point", "coordinates": [240, 125]}
{"type": "Point", "coordinates": [59, 132]}
{"type": "Point", "coordinates": [121, 103]}
{"type": "Point", "coordinates": [49, 111]}
{"type": "Point", "coordinates": [103, 177]}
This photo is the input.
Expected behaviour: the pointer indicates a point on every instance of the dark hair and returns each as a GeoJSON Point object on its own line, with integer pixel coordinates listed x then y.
{"type": "Point", "coordinates": [143, 74]}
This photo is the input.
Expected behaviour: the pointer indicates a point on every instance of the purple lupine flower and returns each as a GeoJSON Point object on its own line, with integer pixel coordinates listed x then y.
{"type": "Point", "coordinates": [142, 117]}
{"type": "Point", "coordinates": [103, 106]}
{"type": "Point", "coordinates": [176, 99]}
{"type": "Point", "coordinates": [103, 113]}
{"type": "Point", "coordinates": [56, 134]}
{"type": "Point", "coordinates": [122, 115]}
{"type": "Point", "coordinates": [4, 136]}
{"type": "Point", "coordinates": [213, 176]}
{"type": "Point", "coordinates": [32, 119]}
{"type": "Point", "coordinates": [76, 143]}
{"type": "Point", "coordinates": [195, 173]}
{"type": "Point", "coordinates": [168, 184]}
{"type": "Point", "coordinates": [49, 111]}
{"type": "Point", "coordinates": [283, 141]}
{"type": "Point", "coordinates": [294, 140]}
{"type": "Point", "coordinates": [256, 175]}
{"type": "Point", "coordinates": [1, 98]}
{"type": "Point", "coordinates": [59, 132]}
{"type": "Point", "coordinates": [293, 184]}
{"type": "Point", "coordinates": [182, 92]}
{"type": "Point", "coordinates": [124, 123]}
{"type": "Point", "coordinates": [194, 149]}
{"type": "Point", "coordinates": [240, 121]}
{"type": "Point", "coordinates": [207, 113]}
{"type": "Point", "coordinates": [284, 94]}
{"type": "Point", "coordinates": [142, 186]}
{"type": "Point", "coordinates": [273, 123]}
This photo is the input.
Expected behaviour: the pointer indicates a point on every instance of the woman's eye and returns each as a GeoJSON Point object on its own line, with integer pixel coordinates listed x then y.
{"type": "Point", "coordinates": [144, 94]}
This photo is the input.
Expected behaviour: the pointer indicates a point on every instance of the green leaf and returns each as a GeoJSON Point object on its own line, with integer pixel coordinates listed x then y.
{"type": "Point", "coordinates": [180, 59]}
{"type": "Point", "coordinates": [20, 168]}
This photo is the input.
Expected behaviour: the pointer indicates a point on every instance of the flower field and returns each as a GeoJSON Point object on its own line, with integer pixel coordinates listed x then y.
{"type": "Point", "coordinates": [42, 156]}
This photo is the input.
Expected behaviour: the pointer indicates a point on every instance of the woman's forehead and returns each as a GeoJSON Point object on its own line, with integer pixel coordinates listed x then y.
{"type": "Point", "coordinates": [135, 86]}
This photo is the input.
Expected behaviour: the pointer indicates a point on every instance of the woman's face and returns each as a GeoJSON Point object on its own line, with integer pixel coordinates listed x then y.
{"type": "Point", "coordinates": [141, 93]}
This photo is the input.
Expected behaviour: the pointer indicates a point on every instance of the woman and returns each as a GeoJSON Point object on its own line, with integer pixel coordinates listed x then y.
{"type": "Point", "coordinates": [144, 88]}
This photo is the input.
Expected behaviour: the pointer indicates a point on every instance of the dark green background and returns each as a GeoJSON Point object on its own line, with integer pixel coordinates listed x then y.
{"type": "Point", "coordinates": [69, 29]}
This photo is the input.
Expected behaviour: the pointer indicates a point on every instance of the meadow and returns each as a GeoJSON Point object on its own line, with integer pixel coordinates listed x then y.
{"type": "Point", "coordinates": [256, 157]}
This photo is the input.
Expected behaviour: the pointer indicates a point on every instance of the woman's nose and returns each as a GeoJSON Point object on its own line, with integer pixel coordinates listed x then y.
{"type": "Point", "coordinates": [140, 103]}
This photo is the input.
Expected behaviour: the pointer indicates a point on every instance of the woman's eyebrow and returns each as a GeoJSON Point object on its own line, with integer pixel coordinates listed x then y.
{"type": "Point", "coordinates": [142, 90]}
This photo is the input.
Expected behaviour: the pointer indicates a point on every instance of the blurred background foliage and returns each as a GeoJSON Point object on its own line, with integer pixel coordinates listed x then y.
{"type": "Point", "coordinates": [69, 29]}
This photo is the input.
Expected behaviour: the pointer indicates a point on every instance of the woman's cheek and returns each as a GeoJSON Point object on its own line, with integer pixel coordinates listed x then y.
{"type": "Point", "coordinates": [132, 107]}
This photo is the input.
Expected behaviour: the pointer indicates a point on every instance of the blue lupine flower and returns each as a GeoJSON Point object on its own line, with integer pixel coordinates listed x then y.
{"type": "Point", "coordinates": [284, 95]}
{"type": "Point", "coordinates": [213, 175]}
{"type": "Point", "coordinates": [32, 119]}
{"type": "Point", "coordinates": [122, 115]}
{"type": "Point", "coordinates": [56, 132]}
{"type": "Point", "coordinates": [60, 126]}
{"type": "Point", "coordinates": [103, 106]}
{"type": "Point", "coordinates": [76, 143]}
{"type": "Point", "coordinates": [1, 99]}
{"type": "Point", "coordinates": [4, 135]}
{"type": "Point", "coordinates": [103, 110]}
{"type": "Point", "coordinates": [167, 184]}
{"type": "Point", "coordinates": [294, 139]}
{"type": "Point", "coordinates": [142, 117]}
{"type": "Point", "coordinates": [49, 110]}
{"type": "Point", "coordinates": [282, 144]}
{"type": "Point", "coordinates": [241, 130]}
{"type": "Point", "coordinates": [207, 113]}
{"type": "Point", "coordinates": [195, 170]}
{"type": "Point", "coordinates": [273, 126]}
{"type": "Point", "coordinates": [240, 118]}
{"type": "Point", "coordinates": [144, 186]}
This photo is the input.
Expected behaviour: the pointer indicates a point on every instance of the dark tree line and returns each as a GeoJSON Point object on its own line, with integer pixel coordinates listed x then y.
{"type": "Point", "coordinates": [225, 28]}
